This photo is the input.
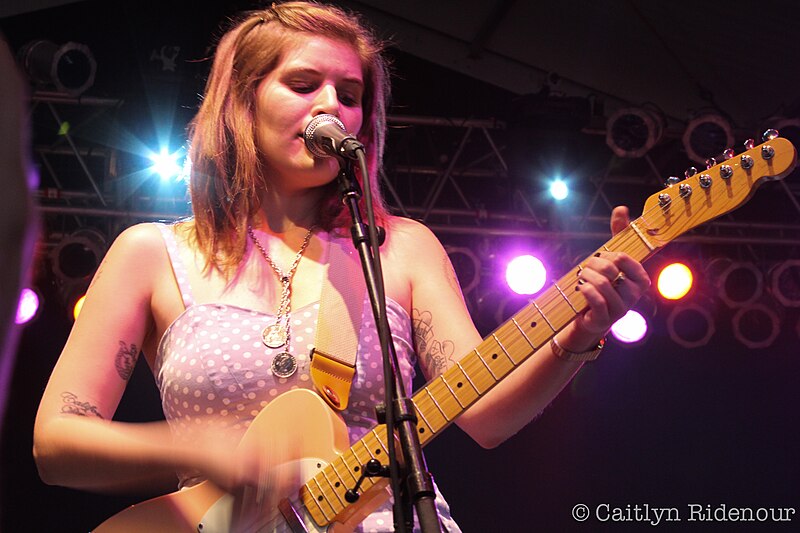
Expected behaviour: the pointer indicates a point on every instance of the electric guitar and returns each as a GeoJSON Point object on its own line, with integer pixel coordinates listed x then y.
{"type": "Point", "coordinates": [331, 466]}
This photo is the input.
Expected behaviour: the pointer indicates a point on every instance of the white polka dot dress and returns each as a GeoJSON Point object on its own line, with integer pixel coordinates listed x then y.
{"type": "Point", "coordinates": [211, 361]}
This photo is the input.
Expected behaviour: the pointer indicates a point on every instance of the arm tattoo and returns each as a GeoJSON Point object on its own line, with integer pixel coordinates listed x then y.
{"type": "Point", "coordinates": [436, 355]}
{"type": "Point", "coordinates": [73, 406]}
{"type": "Point", "coordinates": [126, 360]}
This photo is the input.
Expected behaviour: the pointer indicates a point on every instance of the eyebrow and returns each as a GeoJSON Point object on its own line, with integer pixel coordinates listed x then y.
{"type": "Point", "coordinates": [315, 72]}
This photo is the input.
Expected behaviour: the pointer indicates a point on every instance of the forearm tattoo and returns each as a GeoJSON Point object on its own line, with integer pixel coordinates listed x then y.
{"type": "Point", "coordinates": [126, 360]}
{"type": "Point", "coordinates": [73, 406]}
{"type": "Point", "coordinates": [436, 355]}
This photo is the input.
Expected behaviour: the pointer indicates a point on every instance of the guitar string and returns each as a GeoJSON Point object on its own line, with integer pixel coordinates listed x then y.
{"type": "Point", "coordinates": [626, 239]}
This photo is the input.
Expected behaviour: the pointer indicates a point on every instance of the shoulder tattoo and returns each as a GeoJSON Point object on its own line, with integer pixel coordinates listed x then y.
{"type": "Point", "coordinates": [73, 406]}
{"type": "Point", "coordinates": [126, 360]}
{"type": "Point", "coordinates": [436, 355]}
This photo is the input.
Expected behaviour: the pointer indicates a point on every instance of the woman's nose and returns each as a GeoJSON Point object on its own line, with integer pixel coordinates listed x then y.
{"type": "Point", "coordinates": [327, 101]}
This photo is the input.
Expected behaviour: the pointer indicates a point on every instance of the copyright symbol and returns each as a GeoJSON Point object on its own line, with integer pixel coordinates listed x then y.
{"type": "Point", "coordinates": [580, 512]}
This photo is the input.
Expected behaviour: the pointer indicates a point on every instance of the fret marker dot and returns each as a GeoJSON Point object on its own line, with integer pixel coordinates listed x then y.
{"type": "Point", "coordinates": [319, 498]}
{"type": "Point", "coordinates": [494, 356]}
{"type": "Point", "coordinates": [422, 430]}
{"type": "Point", "coordinates": [337, 484]}
{"type": "Point", "coordinates": [459, 384]}
{"type": "Point", "coordinates": [533, 324]}
{"type": "Point", "coordinates": [356, 469]}
{"type": "Point", "coordinates": [378, 451]}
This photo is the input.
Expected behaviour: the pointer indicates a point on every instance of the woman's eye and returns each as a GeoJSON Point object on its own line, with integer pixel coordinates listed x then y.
{"type": "Point", "coordinates": [350, 100]}
{"type": "Point", "coordinates": [302, 88]}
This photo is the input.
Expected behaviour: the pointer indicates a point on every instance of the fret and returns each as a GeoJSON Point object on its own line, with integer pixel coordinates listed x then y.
{"type": "Point", "coordinates": [364, 444]}
{"type": "Point", "coordinates": [317, 502]}
{"type": "Point", "coordinates": [425, 420]}
{"type": "Point", "coordinates": [544, 317]}
{"type": "Point", "coordinates": [485, 364]}
{"type": "Point", "coordinates": [606, 248]}
{"type": "Point", "coordinates": [380, 440]}
{"type": "Point", "coordinates": [444, 397]}
{"type": "Point", "coordinates": [346, 469]}
{"type": "Point", "coordinates": [433, 413]}
{"type": "Point", "coordinates": [500, 344]}
{"type": "Point", "coordinates": [565, 298]}
{"type": "Point", "coordinates": [312, 505]}
{"type": "Point", "coordinates": [324, 499]}
{"type": "Point", "coordinates": [367, 482]}
{"type": "Point", "coordinates": [458, 364]}
{"type": "Point", "coordinates": [523, 334]}
{"type": "Point", "coordinates": [446, 384]}
{"type": "Point", "coordinates": [641, 236]}
{"type": "Point", "coordinates": [333, 488]}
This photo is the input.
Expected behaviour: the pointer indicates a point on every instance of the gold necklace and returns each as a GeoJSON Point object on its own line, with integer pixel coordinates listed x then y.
{"type": "Point", "coordinates": [278, 335]}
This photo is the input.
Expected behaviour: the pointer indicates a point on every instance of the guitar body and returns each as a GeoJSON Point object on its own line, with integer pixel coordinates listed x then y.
{"type": "Point", "coordinates": [298, 420]}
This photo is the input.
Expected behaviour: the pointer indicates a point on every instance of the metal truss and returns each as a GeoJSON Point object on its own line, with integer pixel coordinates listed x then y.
{"type": "Point", "coordinates": [455, 175]}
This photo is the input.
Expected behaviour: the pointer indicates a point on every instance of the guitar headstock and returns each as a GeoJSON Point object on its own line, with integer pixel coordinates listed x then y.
{"type": "Point", "coordinates": [720, 189]}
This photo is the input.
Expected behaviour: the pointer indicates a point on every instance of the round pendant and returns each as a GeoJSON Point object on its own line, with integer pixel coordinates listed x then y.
{"type": "Point", "coordinates": [284, 365]}
{"type": "Point", "coordinates": [274, 336]}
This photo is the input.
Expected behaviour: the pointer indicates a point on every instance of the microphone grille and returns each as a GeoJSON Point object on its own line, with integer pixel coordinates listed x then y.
{"type": "Point", "coordinates": [316, 122]}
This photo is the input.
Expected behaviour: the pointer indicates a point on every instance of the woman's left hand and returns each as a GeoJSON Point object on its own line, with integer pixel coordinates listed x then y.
{"type": "Point", "coordinates": [613, 283]}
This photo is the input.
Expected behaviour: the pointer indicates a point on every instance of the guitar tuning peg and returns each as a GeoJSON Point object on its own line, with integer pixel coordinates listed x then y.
{"type": "Point", "coordinates": [748, 144]}
{"type": "Point", "coordinates": [672, 180]}
{"type": "Point", "coordinates": [691, 171]}
{"type": "Point", "coordinates": [769, 135]}
{"type": "Point", "coordinates": [710, 162]}
{"type": "Point", "coordinates": [728, 153]}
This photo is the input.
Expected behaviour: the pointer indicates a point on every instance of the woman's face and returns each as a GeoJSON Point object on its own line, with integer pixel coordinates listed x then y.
{"type": "Point", "coordinates": [316, 75]}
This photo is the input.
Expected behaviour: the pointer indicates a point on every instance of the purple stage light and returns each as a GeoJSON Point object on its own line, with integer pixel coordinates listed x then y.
{"type": "Point", "coordinates": [526, 274]}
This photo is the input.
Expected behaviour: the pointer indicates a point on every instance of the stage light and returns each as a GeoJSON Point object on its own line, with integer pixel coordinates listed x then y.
{"type": "Point", "coordinates": [70, 67]}
{"type": "Point", "coordinates": [707, 136]}
{"type": "Point", "coordinates": [785, 283]}
{"type": "Point", "coordinates": [526, 274]}
{"type": "Point", "coordinates": [78, 255]}
{"type": "Point", "coordinates": [559, 189]}
{"type": "Point", "coordinates": [166, 164]}
{"type": "Point", "coordinates": [740, 284]}
{"type": "Point", "coordinates": [632, 132]}
{"type": "Point", "coordinates": [674, 281]}
{"type": "Point", "coordinates": [631, 328]}
{"type": "Point", "coordinates": [756, 326]}
{"type": "Point", "coordinates": [28, 307]}
{"type": "Point", "coordinates": [690, 325]}
{"type": "Point", "coordinates": [77, 306]}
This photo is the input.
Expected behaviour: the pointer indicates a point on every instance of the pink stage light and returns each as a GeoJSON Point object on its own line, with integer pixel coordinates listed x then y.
{"type": "Point", "coordinates": [526, 274]}
{"type": "Point", "coordinates": [630, 328]}
{"type": "Point", "coordinates": [28, 306]}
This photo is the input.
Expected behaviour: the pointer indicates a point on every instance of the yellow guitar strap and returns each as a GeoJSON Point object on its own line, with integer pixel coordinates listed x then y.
{"type": "Point", "coordinates": [333, 358]}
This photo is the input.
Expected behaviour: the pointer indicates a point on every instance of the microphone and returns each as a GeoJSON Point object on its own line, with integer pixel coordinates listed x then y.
{"type": "Point", "coordinates": [326, 136]}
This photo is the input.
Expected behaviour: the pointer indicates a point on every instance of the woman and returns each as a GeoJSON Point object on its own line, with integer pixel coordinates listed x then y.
{"type": "Point", "coordinates": [194, 297]}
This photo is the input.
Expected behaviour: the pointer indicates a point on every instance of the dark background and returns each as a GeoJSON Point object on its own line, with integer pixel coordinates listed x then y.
{"type": "Point", "coordinates": [655, 424]}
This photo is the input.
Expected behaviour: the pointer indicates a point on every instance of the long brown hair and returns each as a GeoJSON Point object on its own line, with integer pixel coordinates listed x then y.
{"type": "Point", "coordinates": [226, 173]}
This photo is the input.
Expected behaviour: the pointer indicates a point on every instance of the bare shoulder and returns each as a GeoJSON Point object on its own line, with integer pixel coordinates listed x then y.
{"type": "Point", "coordinates": [139, 240]}
{"type": "Point", "coordinates": [138, 251]}
{"type": "Point", "coordinates": [410, 236]}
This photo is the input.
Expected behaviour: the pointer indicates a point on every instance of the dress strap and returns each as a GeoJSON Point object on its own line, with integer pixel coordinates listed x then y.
{"type": "Point", "coordinates": [178, 266]}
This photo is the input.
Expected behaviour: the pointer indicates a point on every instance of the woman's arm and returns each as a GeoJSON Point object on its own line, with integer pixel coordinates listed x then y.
{"type": "Point", "coordinates": [444, 331]}
{"type": "Point", "coordinates": [75, 442]}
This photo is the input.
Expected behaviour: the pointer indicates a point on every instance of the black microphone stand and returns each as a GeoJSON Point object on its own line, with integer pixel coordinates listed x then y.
{"type": "Point", "coordinates": [399, 409]}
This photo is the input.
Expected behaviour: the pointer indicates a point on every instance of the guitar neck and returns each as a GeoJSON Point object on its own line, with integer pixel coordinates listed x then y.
{"type": "Point", "coordinates": [444, 398]}
{"type": "Point", "coordinates": [447, 396]}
